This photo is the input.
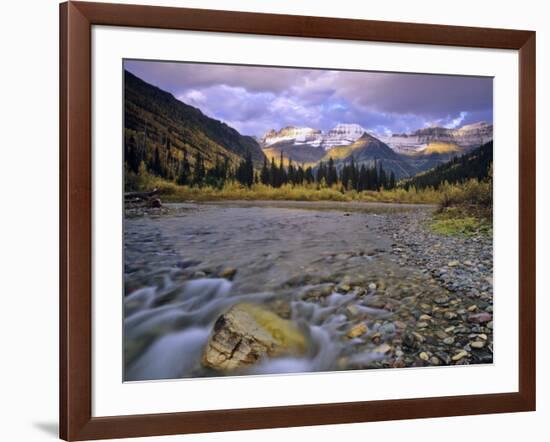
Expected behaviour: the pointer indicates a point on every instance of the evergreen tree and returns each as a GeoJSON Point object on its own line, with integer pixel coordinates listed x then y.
{"type": "Point", "coordinates": [382, 180]}
{"type": "Point", "coordinates": [184, 171]}
{"type": "Point", "coordinates": [199, 171]}
{"type": "Point", "coordinates": [345, 177]}
{"type": "Point", "coordinates": [300, 175]}
{"type": "Point", "coordinates": [133, 155]}
{"type": "Point", "coordinates": [332, 175]}
{"type": "Point", "coordinates": [308, 175]}
{"type": "Point", "coordinates": [391, 184]}
{"type": "Point", "coordinates": [374, 177]}
{"type": "Point", "coordinates": [363, 179]}
{"type": "Point", "coordinates": [245, 171]}
{"type": "Point", "coordinates": [321, 172]}
{"type": "Point", "coordinates": [274, 174]}
{"type": "Point", "coordinates": [156, 167]}
{"type": "Point", "coordinates": [291, 172]}
{"type": "Point", "coordinates": [354, 174]}
{"type": "Point", "coordinates": [264, 173]}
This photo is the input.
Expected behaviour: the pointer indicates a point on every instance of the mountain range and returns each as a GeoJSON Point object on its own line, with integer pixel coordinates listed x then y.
{"type": "Point", "coordinates": [157, 121]}
{"type": "Point", "coordinates": [406, 154]}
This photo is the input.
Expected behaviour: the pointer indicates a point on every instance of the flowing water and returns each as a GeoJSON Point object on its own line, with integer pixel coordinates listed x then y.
{"type": "Point", "coordinates": [320, 265]}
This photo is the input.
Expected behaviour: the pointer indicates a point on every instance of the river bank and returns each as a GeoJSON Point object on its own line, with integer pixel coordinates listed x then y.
{"type": "Point", "coordinates": [368, 285]}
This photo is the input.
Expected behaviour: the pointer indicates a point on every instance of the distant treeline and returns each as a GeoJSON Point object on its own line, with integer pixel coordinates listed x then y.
{"type": "Point", "coordinates": [476, 164]}
{"type": "Point", "coordinates": [172, 165]}
{"type": "Point", "coordinates": [350, 177]}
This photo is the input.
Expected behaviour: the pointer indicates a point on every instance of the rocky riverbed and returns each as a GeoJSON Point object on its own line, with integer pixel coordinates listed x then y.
{"type": "Point", "coordinates": [271, 287]}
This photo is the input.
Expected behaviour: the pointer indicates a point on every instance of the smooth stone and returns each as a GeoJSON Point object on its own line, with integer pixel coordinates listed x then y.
{"type": "Point", "coordinates": [387, 329]}
{"type": "Point", "coordinates": [450, 315]}
{"type": "Point", "coordinates": [248, 332]}
{"type": "Point", "coordinates": [228, 273]}
{"type": "Point", "coordinates": [344, 287]}
{"type": "Point", "coordinates": [461, 354]}
{"type": "Point", "coordinates": [384, 348]}
{"type": "Point", "coordinates": [424, 356]}
{"type": "Point", "coordinates": [480, 318]}
{"type": "Point", "coordinates": [357, 330]}
{"type": "Point", "coordinates": [477, 344]}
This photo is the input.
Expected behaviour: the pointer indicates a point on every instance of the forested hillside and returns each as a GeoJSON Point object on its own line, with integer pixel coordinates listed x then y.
{"type": "Point", "coordinates": [475, 164]}
{"type": "Point", "coordinates": [169, 136]}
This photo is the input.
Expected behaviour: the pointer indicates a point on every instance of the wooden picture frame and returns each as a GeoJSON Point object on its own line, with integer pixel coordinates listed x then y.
{"type": "Point", "coordinates": [76, 21]}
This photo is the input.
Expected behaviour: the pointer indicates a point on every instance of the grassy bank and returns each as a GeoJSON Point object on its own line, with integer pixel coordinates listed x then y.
{"type": "Point", "coordinates": [465, 209]}
{"type": "Point", "coordinates": [172, 192]}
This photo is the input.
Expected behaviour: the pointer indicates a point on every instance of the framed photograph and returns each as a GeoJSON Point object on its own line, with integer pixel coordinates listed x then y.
{"type": "Point", "coordinates": [272, 220]}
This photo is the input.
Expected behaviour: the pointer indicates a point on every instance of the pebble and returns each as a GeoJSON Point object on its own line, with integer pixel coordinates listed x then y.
{"type": "Point", "coordinates": [450, 315]}
{"type": "Point", "coordinates": [477, 344]}
{"type": "Point", "coordinates": [228, 273]}
{"type": "Point", "coordinates": [448, 341]}
{"type": "Point", "coordinates": [461, 354]}
{"type": "Point", "coordinates": [372, 286]}
{"type": "Point", "coordinates": [424, 356]}
{"type": "Point", "coordinates": [453, 263]}
{"type": "Point", "coordinates": [387, 329]}
{"type": "Point", "coordinates": [384, 348]}
{"type": "Point", "coordinates": [357, 330]}
{"type": "Point", "coordinates": [480, 318]}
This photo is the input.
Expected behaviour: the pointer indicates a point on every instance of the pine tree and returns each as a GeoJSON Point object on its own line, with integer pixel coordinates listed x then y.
{"type": "Point", "coordinates": [321, 174]}
{"type": "Point", "coordinates": [264, 173]}
{"type": "Point", "coordinates": [332, 175]}
{"type": "Point", "coordinates": [308, 175]}
{"type": "Point", "coordinates": [273, 174]}
{"type": "Point", "coordinates": [363, 179]}
{"type": "Point", "coordinates": [382, 178]}
{"type": "Point", "coordinates": [374, 177]}
{"type": "Point", "coordinates": [156, 167]}
{"type": "Point", "coordinates": [249, 165]}
{"type": "Point", "coordinates": [392, 180]}
{"type": "Point", "coordinates": [184, 171]}
{"type": "Point", "coordinates": [199, 172]}
{"type": "Point", "coordinates": [354, 174]}
{"type": "Point", "coordinates": [291, 172]}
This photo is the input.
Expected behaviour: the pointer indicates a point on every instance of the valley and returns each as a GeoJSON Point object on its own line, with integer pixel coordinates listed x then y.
{"type": "Point", "coordinates": [319, 236]}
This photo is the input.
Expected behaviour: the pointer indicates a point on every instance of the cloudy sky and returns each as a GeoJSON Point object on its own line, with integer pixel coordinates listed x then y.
{"type": "Point", "coordinates": [255, 99]}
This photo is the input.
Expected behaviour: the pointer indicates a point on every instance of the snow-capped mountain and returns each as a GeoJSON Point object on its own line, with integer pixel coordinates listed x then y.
{"type": "Point", "coordinates": [340, 135]}
{"type": "Point", "coordinates": [300, 135]}
{"type": "Point", "coordinates": [471, 135]}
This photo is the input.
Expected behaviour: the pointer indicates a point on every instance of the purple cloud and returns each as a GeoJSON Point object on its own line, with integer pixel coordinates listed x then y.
{"type": "Point", "coordinates": [255, 99]}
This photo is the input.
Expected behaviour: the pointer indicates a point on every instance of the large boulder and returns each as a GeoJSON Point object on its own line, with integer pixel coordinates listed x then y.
{"type": "Point", "coordinates": [248, 332]}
